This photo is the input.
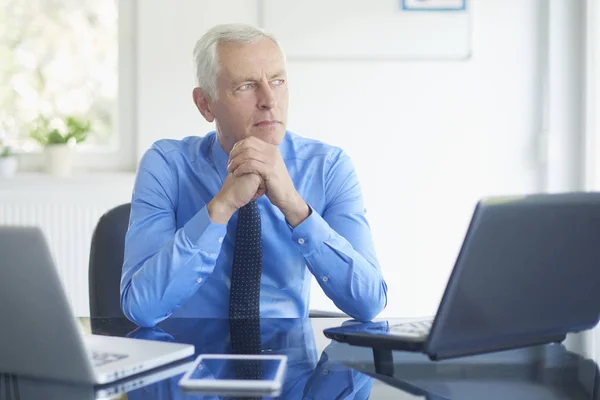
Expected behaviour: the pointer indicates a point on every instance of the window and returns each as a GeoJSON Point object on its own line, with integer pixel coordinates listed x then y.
{"type": "Point", "coordinates": [62, 58]}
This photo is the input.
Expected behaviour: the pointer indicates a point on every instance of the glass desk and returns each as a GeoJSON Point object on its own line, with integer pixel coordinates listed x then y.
{"type": "Point", "coordinates": [322, 369]}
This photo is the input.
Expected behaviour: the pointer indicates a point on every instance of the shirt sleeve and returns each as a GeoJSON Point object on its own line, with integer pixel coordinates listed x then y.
{"type": "Point", "coordinates": [334, 380]}
{"type": "Point", "coordinates": [338, 247]}
{"type": "Point", "coordinates": [158, 275]}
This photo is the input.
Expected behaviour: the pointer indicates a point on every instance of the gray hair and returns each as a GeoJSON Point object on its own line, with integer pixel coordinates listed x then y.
{"type": "Point", "coordinates": [206, 56]}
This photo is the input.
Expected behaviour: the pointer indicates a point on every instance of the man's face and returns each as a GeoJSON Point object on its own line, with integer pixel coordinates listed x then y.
{"type": "Point", "coordinates": [252, 93]}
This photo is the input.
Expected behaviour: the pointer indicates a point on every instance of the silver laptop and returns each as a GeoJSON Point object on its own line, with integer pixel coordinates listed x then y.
{"type": "Point", "coordinates": [40, 336]}
{"type": "Point", "coordinates": [13, 387]}
{"type": "Point", "coordinates": [526, 274]}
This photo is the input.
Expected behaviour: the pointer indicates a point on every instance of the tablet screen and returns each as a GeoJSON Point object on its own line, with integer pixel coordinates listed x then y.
{"type": "Point", "coordinates": [236, 369]}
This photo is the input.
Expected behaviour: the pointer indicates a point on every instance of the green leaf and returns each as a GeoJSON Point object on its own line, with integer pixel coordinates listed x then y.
{"type": "Point", "coordinates": [54, 137]}
{"type": "Point", "coordinates": [75, 130]}
{"type": "Point", "coordinates": [6, 152]}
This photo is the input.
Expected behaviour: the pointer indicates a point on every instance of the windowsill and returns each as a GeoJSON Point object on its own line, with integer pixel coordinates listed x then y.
{"type": "Point", "coordinates": [90, 183]}
{"type": "Point", "coordinates": [86, 178]}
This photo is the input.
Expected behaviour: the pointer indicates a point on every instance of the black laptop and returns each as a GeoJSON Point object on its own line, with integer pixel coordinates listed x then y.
{"type": "Point", "coordinates": [528, 272]}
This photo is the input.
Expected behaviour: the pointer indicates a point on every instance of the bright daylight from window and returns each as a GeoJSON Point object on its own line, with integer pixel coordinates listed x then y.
{"type": "Point", "coordinates": [58, 67]}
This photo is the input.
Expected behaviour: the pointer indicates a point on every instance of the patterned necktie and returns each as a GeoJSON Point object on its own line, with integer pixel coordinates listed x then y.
{"type": "Point", "coordinates": [244, 297]}
{"type": "Point", "coordinates": [245, 339]}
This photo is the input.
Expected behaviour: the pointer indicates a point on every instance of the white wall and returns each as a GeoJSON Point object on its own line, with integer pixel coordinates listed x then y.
{"type": "Point", "coordinates": [427, 138]}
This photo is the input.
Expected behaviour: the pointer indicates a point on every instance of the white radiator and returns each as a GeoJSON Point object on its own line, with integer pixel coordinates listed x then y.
{"type": "Point", "coordinates": [67, 213]}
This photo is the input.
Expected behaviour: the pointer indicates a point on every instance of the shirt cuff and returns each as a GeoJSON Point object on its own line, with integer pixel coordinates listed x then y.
{"type": "Point", "coordinates": [203, 233]}
{"type": "Point", "coordinates": [311, 233]}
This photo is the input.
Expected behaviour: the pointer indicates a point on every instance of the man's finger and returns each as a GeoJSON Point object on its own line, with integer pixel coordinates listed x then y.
{"type": "Point", "coordinates": [261, 190]}
{"type": "Point", "coordinates": [246, 155]}
{"type": "Point", "coordinates": [248, 143]}
{"type": "Point", "coordinates": [251, 167]}
{"type": "Point", "coordinates": [241, 146]}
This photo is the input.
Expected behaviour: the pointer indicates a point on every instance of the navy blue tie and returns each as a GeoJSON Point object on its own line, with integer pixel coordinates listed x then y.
{"type": "Point", "coordinates": [245, 339]}
{"type": "Point", "coordinates": [244, 297]}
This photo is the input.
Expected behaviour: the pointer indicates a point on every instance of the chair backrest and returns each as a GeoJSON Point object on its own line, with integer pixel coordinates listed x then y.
{"type": "Point", "coordinates": [106, 262]}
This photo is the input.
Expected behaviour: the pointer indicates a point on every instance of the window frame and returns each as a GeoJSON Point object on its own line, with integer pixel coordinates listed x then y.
{"type": "Point", "coordinates": [120, 154]}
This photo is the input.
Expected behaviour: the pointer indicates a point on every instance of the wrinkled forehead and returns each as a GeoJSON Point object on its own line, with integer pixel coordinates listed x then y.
{"type": "Point", "coordinates": [249, 60]}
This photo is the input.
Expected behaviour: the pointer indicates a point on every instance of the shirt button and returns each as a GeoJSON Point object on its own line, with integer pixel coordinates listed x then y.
{"type": "Point", "coordinates": [325, 279]}
{"type": "Point", "coordinates": [325, 372]}
{"type": "Point", "coordinates": [301, 241]}
{"type": "Point", "coordinates": [220, 240]}
{"type": "Point", "coordinates": [199, 280]}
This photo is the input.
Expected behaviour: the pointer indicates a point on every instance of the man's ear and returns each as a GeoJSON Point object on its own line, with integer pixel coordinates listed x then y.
{"type": "Point", "coordinates": [203, 103]}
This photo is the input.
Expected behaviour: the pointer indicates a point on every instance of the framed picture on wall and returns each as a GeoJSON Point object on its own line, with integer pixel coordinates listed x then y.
{"type": "Point", "coordinates": [434, 5]}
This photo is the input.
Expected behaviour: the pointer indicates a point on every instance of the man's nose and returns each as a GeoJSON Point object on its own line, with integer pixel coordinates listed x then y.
{"type": "Point", "coordinates": [266, 96]}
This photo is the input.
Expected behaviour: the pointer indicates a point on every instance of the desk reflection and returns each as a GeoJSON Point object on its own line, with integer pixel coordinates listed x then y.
{"type": "Point", "coordinates": [548, 372]}
{"type": "Point", "coordinates": [308, 375]}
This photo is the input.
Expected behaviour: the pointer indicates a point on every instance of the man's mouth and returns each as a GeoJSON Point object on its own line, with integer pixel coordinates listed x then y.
{"type": "Point", "coordinates": [267, 123]}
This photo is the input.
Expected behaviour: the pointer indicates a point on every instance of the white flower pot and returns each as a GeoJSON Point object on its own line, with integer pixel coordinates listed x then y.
{"type": "Point", "coordinates": [8, 166]}
{"type": "Point", "coordinates": [59, 159]}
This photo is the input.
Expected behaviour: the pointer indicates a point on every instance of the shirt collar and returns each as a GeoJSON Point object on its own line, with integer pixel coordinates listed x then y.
{"type": "Point", "coordinates": [219, 157]}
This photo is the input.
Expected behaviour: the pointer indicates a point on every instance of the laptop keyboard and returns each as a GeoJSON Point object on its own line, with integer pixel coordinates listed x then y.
{"type": "Point", "coordinates": [100, 358]}
{"type": "Point", "coordinates": [418, 328]}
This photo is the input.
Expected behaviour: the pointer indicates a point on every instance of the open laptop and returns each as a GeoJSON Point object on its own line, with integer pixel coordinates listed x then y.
{"type": "Point", "coordinates": [40, 336]}
{"type": "Point", "coordinates": [13, 387]}
{"type": "Point", "coordinates": [528, 272]}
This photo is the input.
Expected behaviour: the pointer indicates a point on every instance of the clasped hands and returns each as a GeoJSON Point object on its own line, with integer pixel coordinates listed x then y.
{"type": "Point", "coordinates": [256, 168]}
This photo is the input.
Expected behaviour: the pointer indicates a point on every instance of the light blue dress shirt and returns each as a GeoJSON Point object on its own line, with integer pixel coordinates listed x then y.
{"type": "Point", "coordinates": [178, 262]}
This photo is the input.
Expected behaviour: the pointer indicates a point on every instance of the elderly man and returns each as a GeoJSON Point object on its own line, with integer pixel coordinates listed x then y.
{"type": "Point", "coordinates": [234, 223]}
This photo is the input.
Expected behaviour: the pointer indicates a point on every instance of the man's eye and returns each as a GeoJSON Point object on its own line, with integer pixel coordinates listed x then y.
{"type": "Point", "coordinates": [277, 82]}
{"type": "Point", "coordinates": [245, 86]}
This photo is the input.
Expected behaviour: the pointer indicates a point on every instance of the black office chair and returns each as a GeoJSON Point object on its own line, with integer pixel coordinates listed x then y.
{"type": "Point", "coordinates": [106, 261]}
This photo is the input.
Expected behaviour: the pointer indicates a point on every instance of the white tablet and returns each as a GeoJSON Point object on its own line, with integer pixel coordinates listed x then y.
{"type": "Point", "coordinates": [232, 374]}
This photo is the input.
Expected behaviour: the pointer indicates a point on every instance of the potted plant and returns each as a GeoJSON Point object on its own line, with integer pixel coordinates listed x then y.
{"type": "Point", "coordinates": [8, 161]}
{"type": "Point", "coordinates": [59, 137]}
